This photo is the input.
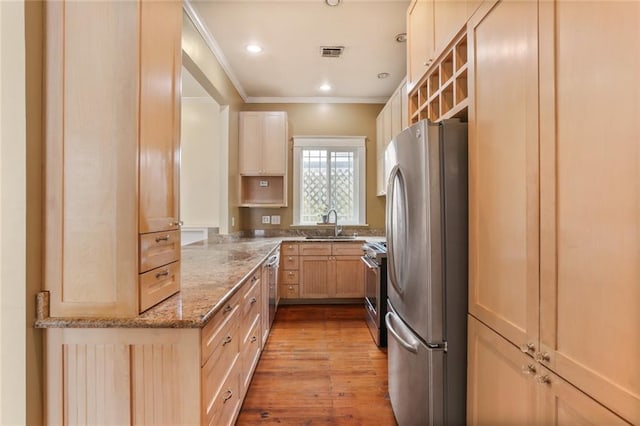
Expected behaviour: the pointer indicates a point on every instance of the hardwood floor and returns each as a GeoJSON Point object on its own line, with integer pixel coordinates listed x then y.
{"type": "Point", "coordinates": [320, 366]}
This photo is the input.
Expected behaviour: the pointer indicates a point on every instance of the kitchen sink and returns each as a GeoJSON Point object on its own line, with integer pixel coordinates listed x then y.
{"type": "Point", "coordinates": [330, 237]}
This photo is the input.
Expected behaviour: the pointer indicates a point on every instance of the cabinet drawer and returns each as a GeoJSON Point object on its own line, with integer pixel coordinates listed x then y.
{"type": "Point", "coordinates": [289, 249]}
{"type": "Point", "coordinates": [289, 277]}
{"type": "Point", "coordinates": [290, 262]}
{"type": "Point", "coordinates": [315, 249]}
{"type": "Point", "coordinates": [289, 291]}
{"type": "Point", "coordinates": [219, 327]}
{"type": "Point", "coordinates": [250, 302]}
{"type": "Point", "coordinates": [250, 353]}
{"type": "Point", "coordinates": [158, 249]}
{"type": "Point", "coordinates": [220, 391]}
{"type": "Point", "coordinates": [346, 249]}
{"type": "Point", "coordinates": [158, 284]}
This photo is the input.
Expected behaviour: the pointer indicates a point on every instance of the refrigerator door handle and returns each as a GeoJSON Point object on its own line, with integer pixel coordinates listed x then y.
{"type": "Point", "coordinates": [407, 341]}
{"type": "Point", "coordinates": [396, 173]}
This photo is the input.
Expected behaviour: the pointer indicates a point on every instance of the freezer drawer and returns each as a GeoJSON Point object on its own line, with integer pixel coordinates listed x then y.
{"type": "Point", "coordinates": [416, 376]}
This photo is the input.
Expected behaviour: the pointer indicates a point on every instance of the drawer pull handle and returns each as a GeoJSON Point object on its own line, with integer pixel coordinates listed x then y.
{"type": "Point", "coordinates": [253, 300]}
{"type": "Point", "coordinates": [290, 258]}
{"type": "Point", "coordinates": [227, 339]}
{"type": "Point", "coordinates": [528, 347]}
{"type": "Point", "coordinates": [253, 339]}
{"type": "Point", "coordinates": [543, 357]}
{"type": "Point", "coordinates": [254, 279]}
{"type": "Point", "coordinates": [177, 223]}
{"type": "Point", "coordinates": [161, 274]}
{"type": "Point", "coordinates": [226, 309]}
{"type": "Point", "coordinates": [227, 396]}
{"type": "Point", "coordinates": [529, 369]}
{"type": "Point", "coordinates": [290, 287]}
{"type": "Point", "coordinates": [290, 274]}
{"type": "Point", "coordinates": [165, 238]}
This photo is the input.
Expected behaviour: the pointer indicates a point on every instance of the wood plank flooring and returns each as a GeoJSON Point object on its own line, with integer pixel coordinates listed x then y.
{"type": "Point", "coordinates": [320, 366]}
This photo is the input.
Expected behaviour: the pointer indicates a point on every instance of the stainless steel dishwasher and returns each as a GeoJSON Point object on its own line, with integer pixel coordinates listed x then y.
{"type": "Point", "coordinates": [272, 265]}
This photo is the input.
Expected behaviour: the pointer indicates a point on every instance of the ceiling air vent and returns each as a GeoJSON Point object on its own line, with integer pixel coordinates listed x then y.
{"type": "Point", "coordinates": [331, 51]}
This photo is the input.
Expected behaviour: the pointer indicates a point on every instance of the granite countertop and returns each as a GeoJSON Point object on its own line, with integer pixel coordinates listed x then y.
{"type": "Point", "coordinates": [210, 275]}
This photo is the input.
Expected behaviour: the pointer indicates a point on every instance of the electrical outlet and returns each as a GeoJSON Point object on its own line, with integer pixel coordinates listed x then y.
{"type": "Point", "coordinates": [275, 220]}
{"type": "Point", "coordinates": [266, 219]}
{"type": "Point", "coordinates": [264, 183]}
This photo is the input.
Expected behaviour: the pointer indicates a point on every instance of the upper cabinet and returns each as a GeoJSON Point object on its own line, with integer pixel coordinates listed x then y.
{"type": "Point", "coordinates": [263, 159]}
{"type": "Point", "coordinates": [391, 121]}
{"type": "Point", "coordinates": [112, 154]}
{"type": "Point", "coordinates": [160, 61]}
{"type": "Point", "coordinates": [263, 143]}
{"type": "Point", "coordinates": [419, 39]}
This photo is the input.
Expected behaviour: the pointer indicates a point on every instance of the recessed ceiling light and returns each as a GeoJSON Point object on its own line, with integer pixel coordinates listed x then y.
{"type": "Point", "coordinates": [383, 75]}
{"type": "Point", "coordinates": [332, 2]}
{"type": "Point", "coordinates": [253, 48]}
{"type": "Point", "coordinates": [325, 87]}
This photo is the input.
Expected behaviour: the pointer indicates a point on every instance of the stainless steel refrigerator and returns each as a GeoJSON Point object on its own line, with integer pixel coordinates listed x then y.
{"type": "Point", "coordinates": [426, 228]}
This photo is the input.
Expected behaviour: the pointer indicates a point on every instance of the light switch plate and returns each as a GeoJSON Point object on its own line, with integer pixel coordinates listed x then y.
{"type": "Point", "coordinates": [266, 219]}
{"type": "Point", "coordinates": [275, 220]}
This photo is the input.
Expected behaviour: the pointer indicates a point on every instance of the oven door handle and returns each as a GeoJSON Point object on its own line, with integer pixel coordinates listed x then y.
{"type": "Point", "coordinates": [370, 264]}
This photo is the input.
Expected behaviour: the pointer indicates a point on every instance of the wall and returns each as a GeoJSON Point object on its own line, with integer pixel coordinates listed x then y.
{"type": "Point", "coordinates": [199, 174]}
{"type": "Point", "coordinates": [203, 65]}
{"type": "Point", "coordinates": [324, 119]}
{"type": "Point", "coordinates": [12, 214]}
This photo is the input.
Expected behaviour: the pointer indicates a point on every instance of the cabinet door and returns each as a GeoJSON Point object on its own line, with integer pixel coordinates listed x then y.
{"type": "Point", "coordinates": [250, 145]}
{"type": "Point", "coordinates": [503, 170]}
{"type": "Point", "coordinates": [501, 388]}
{"type": "Point", "coordinates": [160, 65]}
{"type": "Point", "coordinates": [380, 184]}
{"type": "Point", "coordinates": [590, 214]}
{"type": "Point", "coordinates": [274, 143]}
{"type": "Point", "coordinates": [419, 39]}
{"type": "Point", "coordinates": [314, 277]}
{"type": "Point", "coordinates": [396, 113]}
{"type": "Point", "coordinates": [349, 276]}
{"type": "Point", "coordinates": [449, 16]}
{"type": "Point", "coordinates": [404, 106]}
{"type": "Point", "coordinates": [562, 404]}
{"type": "Point", "coordinates": [91, 219]}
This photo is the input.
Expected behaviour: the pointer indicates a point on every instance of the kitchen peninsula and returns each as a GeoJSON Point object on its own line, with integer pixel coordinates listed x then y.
{"type": "Point", "coordinates": [187, 360]}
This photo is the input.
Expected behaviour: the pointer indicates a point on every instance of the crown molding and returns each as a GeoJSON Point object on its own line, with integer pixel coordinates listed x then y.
{"type": "Point", "coordinates": [214, 47]}
{"type": "Point", "coordinates": [315, 100]}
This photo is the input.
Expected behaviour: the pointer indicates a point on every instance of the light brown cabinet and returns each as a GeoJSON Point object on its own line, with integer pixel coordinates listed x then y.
{"type": "Point", "coordinates": [159, 376]}
{"type": "Point", "coordinates": [321, 270]}
{"type": "Point", "coordinates": [420, 39]}
{"type": "Point", "coordinates": [390, 121]}
{"type": "Point", "coordinates": [331, 270]}
{"type": "Point", "coordinates": [263, 159]}
{"type": "Point", "coordinates": [112, 129]}
{"type": "Point", "coordinates": [498, 371]}
{"type": "Point", "coordinates": [553, 197]}
{"type": "Point", "coordinates": [504, 177]}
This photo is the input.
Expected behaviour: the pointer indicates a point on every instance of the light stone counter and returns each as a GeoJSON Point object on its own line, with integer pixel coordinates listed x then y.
{"type": "Point", "coordinates": [211, 274]}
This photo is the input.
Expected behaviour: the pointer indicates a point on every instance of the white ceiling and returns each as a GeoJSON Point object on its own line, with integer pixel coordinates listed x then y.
{"type": "Point", "coordinates": [290, 68]}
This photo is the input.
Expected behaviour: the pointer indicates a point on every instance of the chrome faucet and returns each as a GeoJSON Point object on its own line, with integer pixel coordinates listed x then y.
{"type": "Point", "coordinates": [337, 229]}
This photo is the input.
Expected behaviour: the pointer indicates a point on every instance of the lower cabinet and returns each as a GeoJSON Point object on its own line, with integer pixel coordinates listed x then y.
{"type": "Point", "coordinates": [506, 386]}
{"type": "Point", "coordinates": [330, 270]}
{"type": "Point", "coordinates": [161, 376]}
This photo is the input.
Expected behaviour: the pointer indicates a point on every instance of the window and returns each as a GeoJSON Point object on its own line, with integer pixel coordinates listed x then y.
{"type": "Point", "coordinates": [329, 173]}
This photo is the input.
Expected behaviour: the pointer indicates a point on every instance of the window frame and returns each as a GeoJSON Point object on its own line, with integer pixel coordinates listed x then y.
{"type": "Point", "coordinates": [354, 144]}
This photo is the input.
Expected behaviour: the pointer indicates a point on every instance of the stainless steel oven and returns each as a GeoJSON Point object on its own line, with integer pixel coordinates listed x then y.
{"type": "Point", "coordinates": [374, 260]}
